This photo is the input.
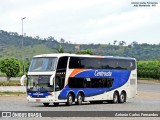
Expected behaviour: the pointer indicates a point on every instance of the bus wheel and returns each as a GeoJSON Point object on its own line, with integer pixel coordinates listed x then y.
{"type": "Point", "coordinates": [79, 99]}
{"type": "Point", "coordinates": [122, 97]}
{"type": "Point", "coordinates": [56, 104]}
{"type": "Point", "coordinates": [115, 97]}
{"type": "Point", "coordinates": [46, 104]}
{"type": "Point", "coordinates": [69, 99]}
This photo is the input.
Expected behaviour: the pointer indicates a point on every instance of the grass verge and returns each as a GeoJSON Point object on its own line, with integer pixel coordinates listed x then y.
{"type": "Point", "coordinates": [149, 79]}
{"type": "Point", "coordinates": [12, 93]}
{"type": "Point", "coordinates": [12, 83]}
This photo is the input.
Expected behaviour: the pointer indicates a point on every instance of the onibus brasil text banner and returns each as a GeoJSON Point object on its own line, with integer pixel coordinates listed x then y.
{"type": "Point", "coordinates": [30, 114]}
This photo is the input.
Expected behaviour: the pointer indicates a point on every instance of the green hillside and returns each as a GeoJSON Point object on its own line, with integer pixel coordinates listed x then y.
{"type": "Point", "coordinates": [10, 46]}
{"type": "Point", "coordinates": [28, 51]}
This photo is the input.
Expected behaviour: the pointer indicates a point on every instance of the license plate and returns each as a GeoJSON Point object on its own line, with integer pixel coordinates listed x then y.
{"type": "Point", "coordinates": [38, 100]}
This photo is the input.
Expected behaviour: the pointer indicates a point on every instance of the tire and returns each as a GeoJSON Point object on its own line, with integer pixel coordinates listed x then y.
{"type": "Point", "coordinates": [79, 99]}
{"type": "Point", "coordinates": [122, 97]}
{"type": "Point", "coordinates": [115, 98]}
{"type": "Point", "coordinates": [46, 104]}
{"type": "Point", "coordinates": [69, 99]}
{"type": "Point", "coordinates": [56, 104]}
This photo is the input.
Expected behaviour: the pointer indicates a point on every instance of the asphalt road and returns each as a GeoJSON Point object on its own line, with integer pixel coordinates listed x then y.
{"type": "Point", "coordinates": [148, 99]}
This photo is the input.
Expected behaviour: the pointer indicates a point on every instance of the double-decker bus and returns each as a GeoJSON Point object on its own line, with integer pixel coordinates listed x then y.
{"type": "Point", "coordinates": [68, 78]}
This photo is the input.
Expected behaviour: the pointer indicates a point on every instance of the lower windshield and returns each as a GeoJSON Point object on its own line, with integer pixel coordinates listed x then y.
{"type": "Point", "coordinates": [39, 83]}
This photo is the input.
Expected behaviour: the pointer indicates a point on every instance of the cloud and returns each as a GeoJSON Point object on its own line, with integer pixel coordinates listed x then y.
{"type": "Point", "coordinates": [82, 21]}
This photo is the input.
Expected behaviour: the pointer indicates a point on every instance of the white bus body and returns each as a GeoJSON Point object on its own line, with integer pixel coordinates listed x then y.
{"type": "Point", "coordinates": [68, 78]}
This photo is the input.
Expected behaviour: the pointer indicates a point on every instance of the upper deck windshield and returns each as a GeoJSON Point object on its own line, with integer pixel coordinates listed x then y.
{"type": "Point", "coordinates": [43, 64]}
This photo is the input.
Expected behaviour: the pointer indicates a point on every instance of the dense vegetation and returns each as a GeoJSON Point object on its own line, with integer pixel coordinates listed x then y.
{"type": "Point", "coordinates": [10, 46]}
{"type": "Point", "coordinates": [11, 67]}
{"type": "Point", "coordinates": [148, 55]}
{"type": "Point", "coordinates": [149, 69]}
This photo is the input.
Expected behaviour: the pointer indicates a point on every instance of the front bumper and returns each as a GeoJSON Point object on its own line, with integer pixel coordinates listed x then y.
{"type": "Point", "coordinates": [40, 100]}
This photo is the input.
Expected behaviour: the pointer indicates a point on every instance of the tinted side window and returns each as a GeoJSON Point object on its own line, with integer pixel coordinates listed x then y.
{"type": "Point", "coordinates": [74, 62]}
{"type": "Point", "coordinates": [111, 63]}
{"type": "Point", "coordinates": [76, 82]}
{"type": "Point", "coordinates": [126, 64]}
{"type": "Point", "coordinates": [85, 63]}
{"type": "Point", "coordinates": [90, 63]}
{"type": "Point", "coordinates": [62, 63]}
{"type": "Point", "coordinates": [101, 82]}
{"type": "Point", "coordinates": [90, 82]}
{"type": "Point", "coordinates": [101, 63]}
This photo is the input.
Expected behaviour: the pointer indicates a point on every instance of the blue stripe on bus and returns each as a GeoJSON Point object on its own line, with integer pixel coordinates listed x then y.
{"type": "Point", "coordinates": [120, 78]}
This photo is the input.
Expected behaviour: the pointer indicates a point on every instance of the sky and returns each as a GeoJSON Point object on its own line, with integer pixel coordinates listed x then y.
{"type": "Point", "coordinates": [83, 21]}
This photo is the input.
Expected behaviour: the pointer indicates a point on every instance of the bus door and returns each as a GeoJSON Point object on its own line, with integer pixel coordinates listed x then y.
{"type": "Point", "coordinates": [60, 75]}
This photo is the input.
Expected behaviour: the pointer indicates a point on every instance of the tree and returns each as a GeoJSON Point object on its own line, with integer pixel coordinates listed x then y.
{"type": "Point", "coordinates": [87, 51]}
{"type": "Point", "coordinates": [134, 43]}
{"type": "Point", "coordinates": [60, 49]}
{"type": "Point", "coordinates": [121, 43]}
{"type": "Point", "coordinates": [115, 41]}
{"type": "Point", "coordinates": [62, 40]}
{"type": "Point", "coordinates": [11, 67]}
{"type": "Point", "coordinates": [50, 38]}
{"type": "Point", "coordinates": [37, 37]}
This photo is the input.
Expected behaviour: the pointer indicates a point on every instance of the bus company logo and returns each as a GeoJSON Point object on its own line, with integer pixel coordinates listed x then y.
{"type": "Point", "coordinates": [102, 73]}
{"type": "Point", "coordinates": [38, 93]}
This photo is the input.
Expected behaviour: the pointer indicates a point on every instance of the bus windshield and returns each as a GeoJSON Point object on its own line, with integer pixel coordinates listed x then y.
{"type": "Point", "coordinates": [39, 83]}
{"type": "Point", "coordinates": [43, 64]}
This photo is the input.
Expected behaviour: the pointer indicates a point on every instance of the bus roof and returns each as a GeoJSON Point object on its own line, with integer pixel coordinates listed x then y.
{"type": "Point", "coordinates": [81, 55]}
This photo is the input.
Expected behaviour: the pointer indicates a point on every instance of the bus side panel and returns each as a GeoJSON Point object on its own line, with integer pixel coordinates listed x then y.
{"type": "Point", "coordinates": [123, 82]}
{"type": "Point", "coordinates": [133, 84]}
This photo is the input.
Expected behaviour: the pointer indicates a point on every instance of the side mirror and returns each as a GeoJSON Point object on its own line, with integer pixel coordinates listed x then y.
{"type": "Point", "coordinates": [22, 80]}
{"type": "Point", "coordinates": [51, 79]}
